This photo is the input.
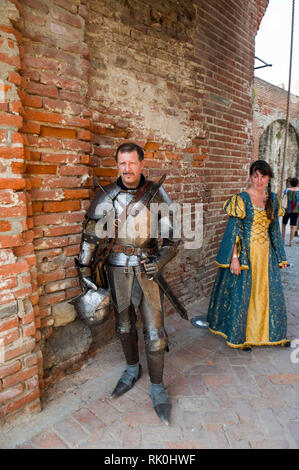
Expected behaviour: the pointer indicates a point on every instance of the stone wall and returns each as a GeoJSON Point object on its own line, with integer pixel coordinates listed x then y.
{"type": "Point", "coordinates": [269, 124]}
{"type": "Point", "coordinates": [80, 77]}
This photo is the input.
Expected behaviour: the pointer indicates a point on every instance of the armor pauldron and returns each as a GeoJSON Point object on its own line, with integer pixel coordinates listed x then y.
{"type": "Point", "coordinates": [103, 196]}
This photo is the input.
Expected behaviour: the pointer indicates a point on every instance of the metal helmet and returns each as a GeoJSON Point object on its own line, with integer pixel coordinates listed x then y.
{"type": "Point", "coordinates": [92, 306]}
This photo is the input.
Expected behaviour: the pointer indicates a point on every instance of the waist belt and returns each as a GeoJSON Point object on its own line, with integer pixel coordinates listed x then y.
{"type": "Point", "coordinates": [130, 250]}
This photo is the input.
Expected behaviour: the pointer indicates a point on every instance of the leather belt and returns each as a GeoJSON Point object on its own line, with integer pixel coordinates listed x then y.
{"type": "Point", "coordinates": [130, 250]}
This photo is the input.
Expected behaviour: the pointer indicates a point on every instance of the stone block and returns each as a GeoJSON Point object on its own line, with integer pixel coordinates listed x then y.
{"type": "Point", "coordinates": [66, 342]}
{"type": "Point", "coordinates": [63, 313]}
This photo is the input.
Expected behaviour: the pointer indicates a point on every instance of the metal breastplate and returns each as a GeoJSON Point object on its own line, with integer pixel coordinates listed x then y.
{"type": "Point", "coordinates": [134, 230]}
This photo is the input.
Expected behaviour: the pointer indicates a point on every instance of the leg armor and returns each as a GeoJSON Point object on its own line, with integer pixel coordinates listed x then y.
{"type": "Point", "coordinates": [127, 333]}
{"type": "Point", "coordinates": [155, 336]}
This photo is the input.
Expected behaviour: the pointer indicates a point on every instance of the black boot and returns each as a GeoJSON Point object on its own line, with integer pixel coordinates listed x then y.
{"type": "Point", "coordinates": [161, 403]}
{"type": "Point", "coordinates": [125, 383]}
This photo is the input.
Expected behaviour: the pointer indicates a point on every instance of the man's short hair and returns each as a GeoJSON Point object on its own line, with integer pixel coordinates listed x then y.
{"type": "Point", "coordinates": [294, 182]}
{"type": "Point", "coordinates": [130, 147]}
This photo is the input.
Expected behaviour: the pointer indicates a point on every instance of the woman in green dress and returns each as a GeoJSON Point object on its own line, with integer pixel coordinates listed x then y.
{"type": "Point", "coordinates": [247, 305]}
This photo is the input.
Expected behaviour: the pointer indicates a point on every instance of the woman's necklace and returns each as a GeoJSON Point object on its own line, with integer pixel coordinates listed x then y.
{"type": "Point", "coordinates": [259, 200]}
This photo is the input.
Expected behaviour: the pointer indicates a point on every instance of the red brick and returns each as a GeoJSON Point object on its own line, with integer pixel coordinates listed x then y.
{"type": "Point", "coordinates": [19, 377]}
{"type": "Point", "coordinates": [76, 193]}
{"type": "Point", "coordinates": [74, 170]}
{"type": "Point", "coordinates": [58, 132]}
{"type": "Point", "coordinates": [8, 324]}
{"type": "Point", "coordinates": [72, 251]}
{"type": "Point", "coordinates": [19, 403]}
{"type": "Point", "coordinates": [51, 194]}
{"type": "Point", "coordinates": [10, 393]}
{"type": "Point", "coordinates": [16, 268]}
{"type": "Point", "coordinates": [84, 135]}
{"type": "Point", "coordinates": [30, 360]}
{"type": "Point", "coordinates": [30, 128]}
{"type": "Point", "coordinates": [61, 82]}
{"type": "Point", "coordinates": [10, 336]}
{"type": "Point", "coordinates": [11, 241]}
{"type": "Point", "coordinates": [10, 120]}
{"type": "Point", "coordinates": [48, 219]}
{"type": "Point", "coordinates": [62, 206]}
{"type": "Point", "coordinates": [42, 90]}
{"type": "Point", "coordinates": [59, 158]}
{"type": "Point", "coordinates": [29, 330]}
{"type": "Point", "coordinates": [105, 172]}
{"type": "Point", "coordinates": [33, 101]}
{"type": "Point", "coordinates": [27, 318]}
{"type": "Point", "coordinates": [11, 60]}
{"type": "Point", "coordinates": [33, 115]}
{"type": "Point", "coordinates": [67, 18]}
{"type": "Point", "coordinates": [9, 283]}
{"type": "Point", "coordinates": [17, 168]}
{"type": "Point", "coordinates": [65, 230]}
{"type": "Point", "coordinates": [15, 78]}
{"type": "Point", "coordinates": [47, 243]}
{"type": "Point", "coordinates": [50, 299]}
{"type": "Point", "coordinates": [4, 226]}
{"type": "Point", "coordinates": [52, 276]}
{"type": "Point", "coordinates": [37, 5]}
{"type": "Point", "coordinates": [18, 351]}
{"type": "Point", "coordinates": [41, 169]}
{"type": "Point", "coordinates": [10, 369]}
{"type": "Point", "coordinates": [16, 107]}
{"type": "Point", "coordinates": [12, 152]}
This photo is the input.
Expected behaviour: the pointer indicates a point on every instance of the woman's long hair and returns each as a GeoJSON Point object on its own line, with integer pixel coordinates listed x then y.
{"type": "Point", "coordinates": [265, 169]}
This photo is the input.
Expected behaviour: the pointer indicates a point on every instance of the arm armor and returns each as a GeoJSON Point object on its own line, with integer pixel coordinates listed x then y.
{"type": "Point", "coordinates": [167, 224]}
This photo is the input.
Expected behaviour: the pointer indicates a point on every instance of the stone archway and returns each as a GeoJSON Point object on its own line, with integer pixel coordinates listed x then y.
{"type": "Point", "coordinates": [271, 149]}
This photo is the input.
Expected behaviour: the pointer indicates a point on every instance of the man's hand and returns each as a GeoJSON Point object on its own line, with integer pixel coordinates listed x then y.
{"type": "Point", "coordinates": [151, 266]}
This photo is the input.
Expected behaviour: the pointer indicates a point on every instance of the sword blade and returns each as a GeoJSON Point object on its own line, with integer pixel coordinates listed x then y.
{"type": "Point", "coordinates": [159, 279]}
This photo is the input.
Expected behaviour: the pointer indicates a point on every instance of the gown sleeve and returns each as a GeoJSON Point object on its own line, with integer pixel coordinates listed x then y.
{"type": "Point", "coordinates": [235, 207]}
{"type": "Point", "coordinates": [234, 234]}
{"type": "Point", "coordinates": [274, 231]}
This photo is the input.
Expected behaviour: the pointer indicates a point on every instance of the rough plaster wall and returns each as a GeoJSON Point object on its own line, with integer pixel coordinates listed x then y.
{"type": "Point", "coordinates": [132, 70]}
{"type": "Point", "coordinates": [271, 147]}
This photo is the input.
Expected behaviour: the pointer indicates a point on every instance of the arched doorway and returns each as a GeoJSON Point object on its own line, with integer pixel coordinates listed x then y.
{"type": "Point", "coordinates": [271, 149]}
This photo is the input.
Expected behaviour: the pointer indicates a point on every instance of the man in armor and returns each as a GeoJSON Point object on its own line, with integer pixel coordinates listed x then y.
{"type": "Point", "coordinates": [127, 260]}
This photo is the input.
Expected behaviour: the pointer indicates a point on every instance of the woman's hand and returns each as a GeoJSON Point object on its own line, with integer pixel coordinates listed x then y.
{"type": "Point", "coordinates": [235, 267]}
{"type": "Point", "coordinates": [283, 266]}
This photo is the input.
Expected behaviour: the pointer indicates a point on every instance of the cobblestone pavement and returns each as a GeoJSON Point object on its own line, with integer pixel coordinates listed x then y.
{"type": "Point", "coordinates": [221, 397]}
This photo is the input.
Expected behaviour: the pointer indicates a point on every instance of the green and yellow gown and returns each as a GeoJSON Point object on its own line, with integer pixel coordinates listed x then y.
{"type": "Point", "coordinates": [249, 309]}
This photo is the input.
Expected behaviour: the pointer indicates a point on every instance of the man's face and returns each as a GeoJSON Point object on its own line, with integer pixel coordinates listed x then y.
{"type": "Point", "coordinates": [130, 168]}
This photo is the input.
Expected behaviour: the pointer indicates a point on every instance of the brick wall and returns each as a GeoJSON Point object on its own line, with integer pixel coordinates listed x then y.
{"type": "Point", "coordinates": [20, 364]}
{"type": "Point", "coordinates": [84, 76]}
{"type": "Point", "coordinates": [270, 104]}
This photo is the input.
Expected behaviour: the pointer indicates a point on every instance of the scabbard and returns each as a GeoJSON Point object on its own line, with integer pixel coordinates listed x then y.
{"type": "Point", "coordinates": [166, 289]}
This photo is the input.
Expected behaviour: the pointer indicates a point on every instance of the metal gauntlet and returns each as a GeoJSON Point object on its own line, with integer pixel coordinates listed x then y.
{"type": "Point", "coordinates": [154, 264]}
{"type": "Point", "coordinates": [87, 251]}
{"type": "Point", "coordinates": [85, 276]}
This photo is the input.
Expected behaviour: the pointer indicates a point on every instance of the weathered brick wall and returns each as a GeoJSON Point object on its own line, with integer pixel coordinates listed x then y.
{"type": "Point", "coordinates": [269, 121]}
{"type": "Point", "coordinates": [57, 126]}
{"type": "Point", "coordinates": [85, 76]}
{"type": "Point", "coordinates": [20, 358]}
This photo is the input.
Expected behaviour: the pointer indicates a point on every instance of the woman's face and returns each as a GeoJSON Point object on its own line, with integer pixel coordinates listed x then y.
{"type": "Point", "coordinates": [259, 181]}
